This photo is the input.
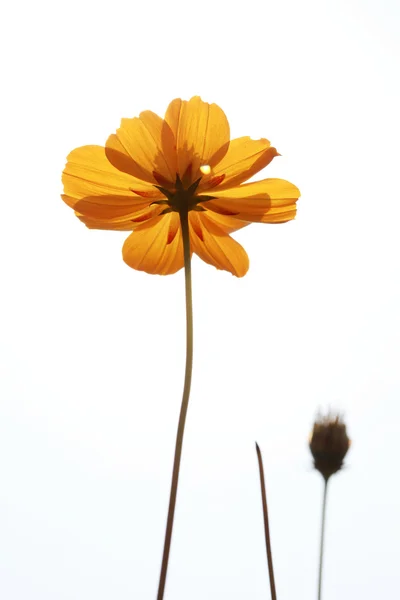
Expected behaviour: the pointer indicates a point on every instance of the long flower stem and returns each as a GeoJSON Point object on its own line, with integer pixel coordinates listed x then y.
{"type": "Point", "coordinates": [321, 549]}
{"type": "Point", "coordinates": [185, 402]}
{"type": "Point", "coordinates": [266, 524]}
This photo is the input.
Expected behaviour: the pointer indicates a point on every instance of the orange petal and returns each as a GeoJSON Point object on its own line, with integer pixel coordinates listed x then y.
{"type": "Point", "coordinates": [88, 172]}
{"type": "Point", "coordinates": [144, 145]}
{"type": "Point", "coordinates": [201, 132]}
{"type": "Point", "coordinates": [210, 242]}
{"type": "Point", "coordinates": [226, 223]}
{"type": "Point", "coordinates": [127, 222]}
{"type": "Point", "coordinates": [107, 207]}
{"type": "Point", "coordinates": [148, 248]}
{"type": "Point", "coordinates": [266, 201]}
{"type": "Point", "coordinates": [245, 157]}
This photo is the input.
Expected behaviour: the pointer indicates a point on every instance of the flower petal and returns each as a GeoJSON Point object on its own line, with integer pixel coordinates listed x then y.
{"type": "Point", "coordinates": [245, 157]}
{"type": "Point", "coordinates": [213, 245]}
{"type": "Point", "coordinates": [107, 207]}
{"type": "Point", "coordinates": [266, 201]}
{"type": "Point", "coordinates": [127, 222]}
{"type": "Point", "coordinates": [201, 132]}
{"type": "Point", "coordinates": [156, 246]}
{"type": "Point", "coordinates": [88, 172]}
{"type": "Point", "coordinates": [143, 146]}
{"type": "Point", "coordinates": [226, 223]}
{"type": "Point", "coordinates": [97, 190]}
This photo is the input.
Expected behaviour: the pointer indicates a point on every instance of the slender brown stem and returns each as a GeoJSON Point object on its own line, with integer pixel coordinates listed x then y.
{"type": "Point", "coordinates": [266, 525]}
{"type": "Point", "coordinates": [321, 549]}
{"type": "Point", "coordinates": [184, 406]}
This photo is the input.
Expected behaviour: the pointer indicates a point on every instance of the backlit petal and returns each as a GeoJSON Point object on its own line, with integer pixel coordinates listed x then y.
{"type": "Point", "coordinates": [156, 246]}
{"type": "Point", "coordinates": [95, 188]}
{"type": "Point", "coordinates": [127, 222]}
{"type": "Point", "coordinates": [106, 207]}
{"type": "Point", "coordinates": [144, 145]}
{"type": "Point", "coordinates": [213, 245]}
{"type": "Point", "coordinates": [266, 201]}
{"type": "Point", "coordinates": [245, 158]}
{"type": "Point", "coordinates": [226, 223]}
{"type": "Point", "coordinates": [88, 172]}
{"type": "Point", "coordinates": [201, 132]}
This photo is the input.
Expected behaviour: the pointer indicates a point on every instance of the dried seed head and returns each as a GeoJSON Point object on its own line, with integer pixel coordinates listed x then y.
{"type": "Point", "coordinates": [329, 444]}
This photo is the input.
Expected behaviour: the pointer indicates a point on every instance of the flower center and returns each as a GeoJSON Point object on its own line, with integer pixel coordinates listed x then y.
{"type": "Point", "coordinates": [181, 199]}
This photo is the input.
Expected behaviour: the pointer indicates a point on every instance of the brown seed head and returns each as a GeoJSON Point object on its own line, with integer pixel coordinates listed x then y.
{"type": "Point", "coordinates": [329, 444]}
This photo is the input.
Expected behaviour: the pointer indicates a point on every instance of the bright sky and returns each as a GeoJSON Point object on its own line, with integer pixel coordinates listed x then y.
{"type": "Point", "coordinates": [92, 352]}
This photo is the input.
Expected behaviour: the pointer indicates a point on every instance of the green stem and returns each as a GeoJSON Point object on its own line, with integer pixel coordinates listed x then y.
{"type": "Point", "coordinates": [185, 402]}
{"type": "Point", "coordinates": [266, 524]}
{"type": "Point", "coordinates": [321, 550]}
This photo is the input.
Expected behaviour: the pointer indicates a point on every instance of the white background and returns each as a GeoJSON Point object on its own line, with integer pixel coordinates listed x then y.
{"type": "Point", "coordinates": [92, 353]}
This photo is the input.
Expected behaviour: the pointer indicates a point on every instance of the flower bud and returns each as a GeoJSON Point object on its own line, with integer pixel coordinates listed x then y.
{"type": "Point", "coordinates": [329, 444]}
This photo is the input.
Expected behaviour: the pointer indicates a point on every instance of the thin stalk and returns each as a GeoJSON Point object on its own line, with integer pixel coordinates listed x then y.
{"type": "Point", "coordinates": [266, 524]}
{"type": "Point", "coordinates": [321, 548]}
{"type": "Point", "coordinates": [184, 406]}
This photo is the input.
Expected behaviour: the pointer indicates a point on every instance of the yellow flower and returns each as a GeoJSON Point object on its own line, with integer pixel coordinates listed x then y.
{"type": "Point", "coordinates": [152, 169]}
